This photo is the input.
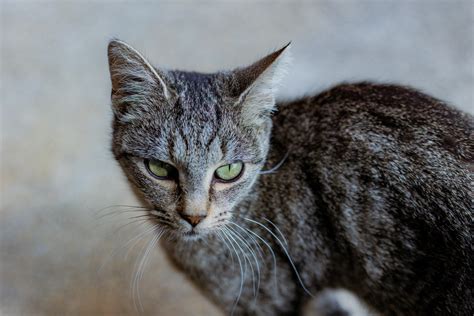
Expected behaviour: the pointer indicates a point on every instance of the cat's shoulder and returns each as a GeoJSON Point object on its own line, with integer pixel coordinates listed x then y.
{"type": "Point", "coordinates": [374, 112]}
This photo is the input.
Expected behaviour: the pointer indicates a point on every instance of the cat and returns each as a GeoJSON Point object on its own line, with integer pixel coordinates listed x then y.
{"type": "Point", "coordinates": [365, 187]}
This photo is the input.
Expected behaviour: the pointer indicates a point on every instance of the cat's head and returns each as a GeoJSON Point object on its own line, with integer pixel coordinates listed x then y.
{"type": "Point", "coordinates": [191, 144]}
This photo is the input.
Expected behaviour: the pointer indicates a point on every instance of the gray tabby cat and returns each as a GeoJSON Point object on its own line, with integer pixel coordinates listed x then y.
{"type": "Point", "coordinates": [365, 187]}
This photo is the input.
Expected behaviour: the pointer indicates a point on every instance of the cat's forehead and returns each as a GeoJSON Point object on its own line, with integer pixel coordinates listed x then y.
{"type": "Point", "coordinates": [199, 91]}
{"type": "Point", "coordinates": [196, 114]}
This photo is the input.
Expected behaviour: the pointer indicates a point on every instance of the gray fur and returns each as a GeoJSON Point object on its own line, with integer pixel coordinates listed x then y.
{"type": "Point", "coordinates": [375, 195]}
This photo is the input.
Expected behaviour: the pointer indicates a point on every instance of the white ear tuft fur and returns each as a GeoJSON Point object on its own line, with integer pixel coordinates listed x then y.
{"type": "Point", "coordinates": [127, 62]}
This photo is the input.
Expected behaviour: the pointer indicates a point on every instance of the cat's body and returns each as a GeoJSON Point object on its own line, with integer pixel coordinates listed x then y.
{"type": "Point", "coordinates": [373, 197]}
{"type": "Point", "coordinates": [374, 193]}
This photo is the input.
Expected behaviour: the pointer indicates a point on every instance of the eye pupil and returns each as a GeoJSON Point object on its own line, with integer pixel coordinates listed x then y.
{"type": "Point", "coordinates": [229, 172]}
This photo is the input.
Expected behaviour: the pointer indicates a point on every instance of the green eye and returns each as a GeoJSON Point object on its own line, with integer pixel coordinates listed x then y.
{"type": "Point", "coordinates": [229, 172]}
{"type": "Point", "coordinates": [160, 169]}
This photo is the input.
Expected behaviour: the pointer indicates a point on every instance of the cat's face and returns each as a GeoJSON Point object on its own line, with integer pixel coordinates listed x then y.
{"type": "Point", "coordinates": [191, 144]}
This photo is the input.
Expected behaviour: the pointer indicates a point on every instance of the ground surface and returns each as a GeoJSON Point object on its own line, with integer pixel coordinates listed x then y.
{"type": "Point", "coordinates": [56, 170]}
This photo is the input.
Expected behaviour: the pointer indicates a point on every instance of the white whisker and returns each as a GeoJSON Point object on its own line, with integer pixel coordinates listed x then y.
{"type": "Point", "coordinates": [142, 220]}
{"type": "Point", "coordinates": [137, 238]}
{"type": "Point", "coordinates": [139, 270]}
{"type": "Point", "coordinates": [278, 230]}
{"type": "Point", "coordinates": [114, 252]}
{"type": "Point", "coordinates": [269, 248]}
{"type": "Point", "coordinates": [231, 231]}
{"type": "Point", "coordinates": [225, 234]}
{"type": "Point", "coordinates": [276, 167]}
{"type": "Point", "coordinates": [252, 253]}
{"type": "Point", "coordinates": [253, 239]}
{"type": "Point", "coordinates": [119, 209]}
{"type": "Point", "coordinates": [286, 253]}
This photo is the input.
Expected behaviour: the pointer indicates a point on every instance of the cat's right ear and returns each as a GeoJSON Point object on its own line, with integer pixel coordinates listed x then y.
{"type": "Point", "coordinates": [135, 82]}
{"type": "Point", "coordinates": [255, 86]}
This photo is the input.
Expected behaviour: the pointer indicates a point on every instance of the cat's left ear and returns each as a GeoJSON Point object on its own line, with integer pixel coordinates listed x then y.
{"type": "Point", "coordinates": [257, 84]}
{"type": "Point", "coordinates": [136, 84]}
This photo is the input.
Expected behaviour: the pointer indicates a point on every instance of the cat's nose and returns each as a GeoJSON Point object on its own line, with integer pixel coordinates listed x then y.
{"type": "Point", "coordinates": [193, 219]}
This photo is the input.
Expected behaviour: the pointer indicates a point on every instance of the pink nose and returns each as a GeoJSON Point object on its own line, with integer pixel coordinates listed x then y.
{"type": "Point", "coordinates": [193, 219]}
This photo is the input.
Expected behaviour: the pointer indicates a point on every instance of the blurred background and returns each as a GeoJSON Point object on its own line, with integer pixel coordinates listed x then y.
{"type": "Point", "coordinates": [57, 256]}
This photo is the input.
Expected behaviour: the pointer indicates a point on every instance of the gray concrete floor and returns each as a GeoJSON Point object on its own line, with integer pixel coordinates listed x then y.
{"type": "Point", "coordinates": [56, 170]}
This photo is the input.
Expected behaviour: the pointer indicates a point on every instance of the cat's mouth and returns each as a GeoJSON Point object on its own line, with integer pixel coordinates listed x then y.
{"type": "Point", "coordinates": [192, 234]}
